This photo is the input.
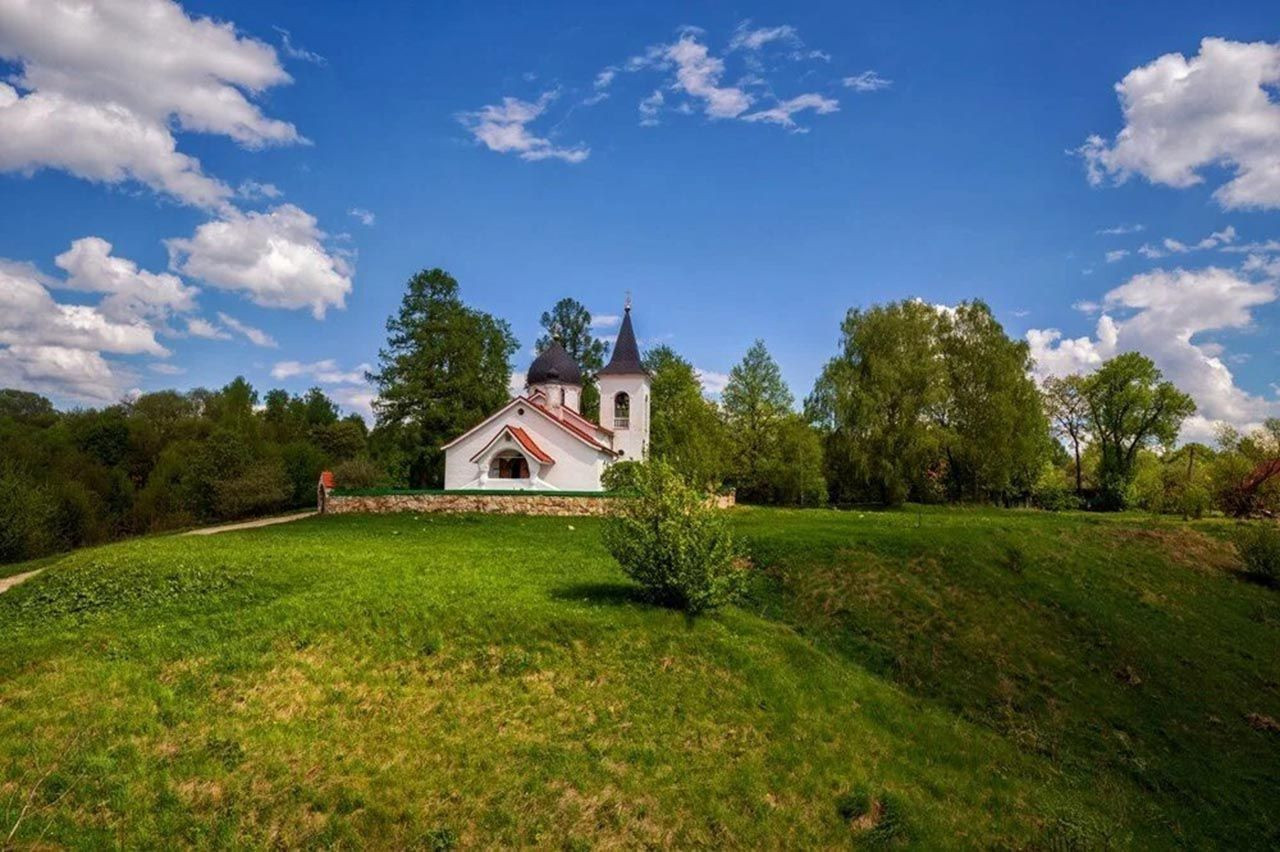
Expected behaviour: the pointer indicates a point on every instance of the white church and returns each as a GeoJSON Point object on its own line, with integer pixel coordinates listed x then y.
{"type": "Point", "coordinates": [539, 441]}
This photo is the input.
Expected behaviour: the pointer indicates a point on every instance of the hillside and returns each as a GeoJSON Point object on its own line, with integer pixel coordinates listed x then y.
{"type": "Point", "coordinates": [935, 678]}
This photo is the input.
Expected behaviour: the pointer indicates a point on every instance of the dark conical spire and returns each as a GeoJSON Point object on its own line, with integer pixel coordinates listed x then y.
{"type": "Point", "coordinates": [626, 354]}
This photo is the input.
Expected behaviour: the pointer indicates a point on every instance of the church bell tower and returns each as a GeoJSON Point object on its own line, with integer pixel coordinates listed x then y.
{"type": "Point", "coordinates": [624, 395]}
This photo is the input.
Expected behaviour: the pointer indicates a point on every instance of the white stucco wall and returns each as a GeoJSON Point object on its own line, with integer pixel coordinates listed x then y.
{"type": "Point", "coordinates": [577, 465]}
{"type": "Point", "coordinates": [634, 440]}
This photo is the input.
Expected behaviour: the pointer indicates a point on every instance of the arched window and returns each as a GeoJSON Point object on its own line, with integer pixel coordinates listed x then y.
{"type": "Point", "coordinates": [621, 411]}
{"type": "Point", "coordinates": [509, 464]}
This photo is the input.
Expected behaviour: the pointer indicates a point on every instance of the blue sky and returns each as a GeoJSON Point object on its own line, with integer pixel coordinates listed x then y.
{"type": "Point", "coordinates": [801, 162]}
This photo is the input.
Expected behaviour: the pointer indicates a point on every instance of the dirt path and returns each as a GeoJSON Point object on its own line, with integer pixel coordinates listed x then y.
{"type": "Point", "coordinates": [248, 525]}
{"type": "Point", "coordinates": [9, 582]}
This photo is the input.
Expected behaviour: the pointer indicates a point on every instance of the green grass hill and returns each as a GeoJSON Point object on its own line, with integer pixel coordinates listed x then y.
{"type": "Point", "coordinates": [923, 678]}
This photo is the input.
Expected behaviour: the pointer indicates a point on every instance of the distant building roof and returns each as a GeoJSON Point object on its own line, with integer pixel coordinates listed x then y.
{"type": "Point", "coordinates": [554, 365]}
{"type": "Point", "coordinates": [626, 354]}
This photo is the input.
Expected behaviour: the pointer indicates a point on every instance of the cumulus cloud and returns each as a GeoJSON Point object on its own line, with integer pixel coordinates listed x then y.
{"type": "Point", "coordinates": [365, 217]}
{"type": "Point", "coordinates": [867, 81]}
{"type": "Point", "coordinates": [103, 87]}
{"type": "Point", "coordinates": [1164, 315]}
{"type": "Point", "coordinates": [504, 128]}
{"type": "Point", "coordinates": [276, 258]}
{"type": "Point", "coordinates": [131, 294]}
{"type": "Point", "coordinates": [1183, 117]}
{"type": "Point", "coordinates": [605, 320]}
{"type": "Point", "coordinates": [56, 348]}
{"type": "Point", "coordinates": [1118, 254]}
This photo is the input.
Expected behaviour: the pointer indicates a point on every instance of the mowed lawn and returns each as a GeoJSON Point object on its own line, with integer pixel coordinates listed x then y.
{"type": "Point", "coordinates": [935, 678]}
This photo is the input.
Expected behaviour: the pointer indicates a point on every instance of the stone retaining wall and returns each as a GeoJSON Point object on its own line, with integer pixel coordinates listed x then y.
{"type": "Point", "coordinates": [494, 504]}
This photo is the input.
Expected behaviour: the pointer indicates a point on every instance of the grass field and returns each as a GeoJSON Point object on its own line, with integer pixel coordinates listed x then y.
{"type": "Point", "coordinates": [934, 678]}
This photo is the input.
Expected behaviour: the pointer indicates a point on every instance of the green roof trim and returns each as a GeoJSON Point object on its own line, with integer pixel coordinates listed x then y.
{"type": "Point", "coordinates": [464, 492]}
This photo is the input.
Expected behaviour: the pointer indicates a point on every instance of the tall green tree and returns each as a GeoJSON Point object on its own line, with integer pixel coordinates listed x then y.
{"type": "Point", "coordinates": [569, 321]}
{"type": "Point", "coordinates": [1069, 413]}
{"type": "Point", "coordinates": [873, 402]}
{"type": "Point", "coordinates": [445, 367]}
{"type": "Point", "coordinates": [755, 401]}
{"type": "Point", "coordinates": [1131, 406]}
{"type": "Point", "coordinates": [993, 431]}
{"type": "Point", "coordinates": [685, 429]}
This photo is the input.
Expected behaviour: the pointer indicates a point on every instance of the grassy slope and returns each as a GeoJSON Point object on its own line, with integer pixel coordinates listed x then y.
{"type": "Point", "coordinates": [491, 679]}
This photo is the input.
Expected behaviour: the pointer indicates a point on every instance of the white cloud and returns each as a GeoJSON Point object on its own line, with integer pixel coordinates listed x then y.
{"type": "Point", "coordinates": [713, 383]}
{"type": "Point", "coordinates": [353, 389]}
{"type": "Point", "coordinates": [1121, 230]}
{"type": "Point", "coordinates": [132, 294]}
{"type": "Point", "coordinates": [605, 78]}
{"type": "Point", "coordinates": [1118, 254]}
{"type": "Point", "coordinates": [1150, 252]}
{"type": "Point", "coordinates": [867, 81]}
{"type": "Point", "coordinates": [326, 372]}
{"type": "Point", "coordinates": [293, 51]}
{"type": "Point", "coordinates": [198, 327]}
{"type": "Point", "coordinates": [746, 38]}
{"type": "Point", "coordinates": [104, 86]}
{"type": "Point", "coordinates": [58, 349]}
{"type": "Point", "coordinates": [650, 107]}
{"type": "Point", "coordinates": [256, 336]}
{"type": "Point", "coordinates": [30, 317]}
{"type": "Point", "coordinates": [277, 258]}
{"type": "Point", "coordinates": [252, 190]}
{"type": "Point", "coordinates": [782, 112]}
{"type": "Point", "coordinates": [366, 217]}
{"type": "Point", "coordinates": [503, 129]}
{"type": "Point", "coordinates": [164, 368]}
{"type": "Point", "coordinates": [1183, 116]}
{"type": "Point", "coordinates": [1163, 314]}
{"type": "Point", "coordinates": [605, 320]}
{"type": "Point", "coordinates": [357, 399]}
{"type": "Point", "coordinates": [698, 74]}
{"type": "Point", "coordinates": [59, 371]}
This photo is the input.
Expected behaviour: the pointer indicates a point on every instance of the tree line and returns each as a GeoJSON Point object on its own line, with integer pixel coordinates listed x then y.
{"type": "Point", "coordinates": [919, 403]}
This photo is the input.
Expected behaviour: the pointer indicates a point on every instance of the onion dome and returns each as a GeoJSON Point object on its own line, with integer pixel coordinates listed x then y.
{"type": "Point", "coordinates": [554, 365]}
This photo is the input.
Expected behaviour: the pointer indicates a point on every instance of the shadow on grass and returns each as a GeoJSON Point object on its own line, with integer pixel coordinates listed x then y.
{"type": "Point", "coordinates": [610, 594]}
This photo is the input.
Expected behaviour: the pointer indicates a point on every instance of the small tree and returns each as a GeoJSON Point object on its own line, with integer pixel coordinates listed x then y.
{"type": "Point", "coordinates": [755, 403]}
{"type": "Point", "coordinates": [1131, 407]}
{"type": "Point", "coordinates": [1069, 411]}
{"type": "Point", "coordinates": [669, 540]}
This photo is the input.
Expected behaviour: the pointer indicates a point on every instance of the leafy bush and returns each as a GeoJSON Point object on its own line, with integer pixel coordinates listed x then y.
{"type": "Point", "coordinates": [1259, 548]}
{"type": "Point", "coordinates": [263, 487]}
{"type": "Point", "coordinates": [1054, 498]}
{"type": "Point", "coordinates": [669, 540]}
{"type": "Point", "coordinates": [620, 477]}
{"type": "Point", "coordinates": [358, 473]}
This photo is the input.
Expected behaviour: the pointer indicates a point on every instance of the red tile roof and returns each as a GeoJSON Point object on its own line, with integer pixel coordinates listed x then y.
{"type": "Point", "coordinates": [326, 479]}
{"type": "Point", "coordinates": [530, 445]}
